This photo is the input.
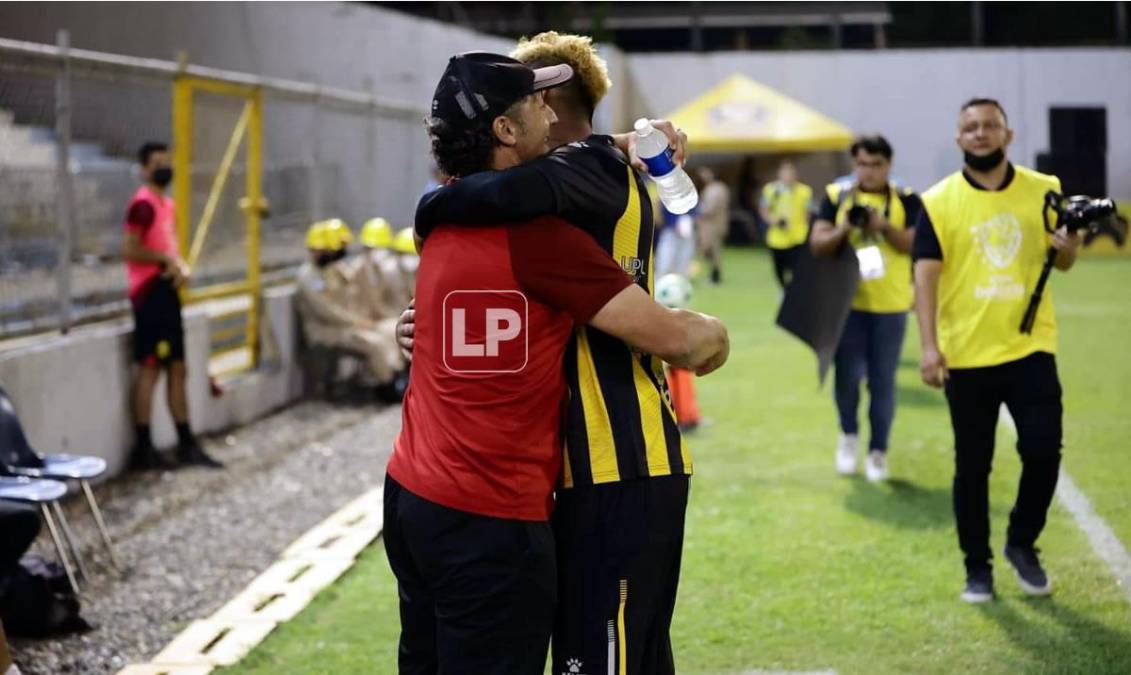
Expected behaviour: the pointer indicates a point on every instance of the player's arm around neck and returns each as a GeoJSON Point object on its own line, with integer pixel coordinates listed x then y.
{"type": "Point", "coordinates": [681, 337]}
{"type": "Point", "coordinates": [932, 365]}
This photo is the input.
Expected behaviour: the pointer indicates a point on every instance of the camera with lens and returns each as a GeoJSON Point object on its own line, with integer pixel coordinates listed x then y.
{"type": "Point", "coordinates": [859, 216]}
{"type": "Point", "coordinates": [1075, 213]}
{"type": "Point", "coordinates": [1083, 213]}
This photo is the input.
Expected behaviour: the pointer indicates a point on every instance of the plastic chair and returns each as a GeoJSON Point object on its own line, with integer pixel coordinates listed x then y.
{"type": "Point", "coordinates": [18, 458]}
{"type": "Point", "coordinates": [42, 492]}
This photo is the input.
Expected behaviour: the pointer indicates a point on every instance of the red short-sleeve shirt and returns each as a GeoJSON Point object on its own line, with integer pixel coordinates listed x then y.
{"type": "Point", "coordinates": [495, 307]}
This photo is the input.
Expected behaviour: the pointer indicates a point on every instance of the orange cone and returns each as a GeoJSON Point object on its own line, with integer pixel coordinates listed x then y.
{"type": "Point", "coordinates": [681, 382]}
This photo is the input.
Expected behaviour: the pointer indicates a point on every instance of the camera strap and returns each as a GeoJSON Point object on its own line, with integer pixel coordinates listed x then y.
{"type": "Point", "coordinates": [851, 194]}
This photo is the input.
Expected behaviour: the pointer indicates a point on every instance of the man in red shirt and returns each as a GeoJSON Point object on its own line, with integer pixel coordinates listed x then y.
{"type": "Point", "coordinates": [155, 271]}
{"type": "Point", "coordinates": [468, 492]}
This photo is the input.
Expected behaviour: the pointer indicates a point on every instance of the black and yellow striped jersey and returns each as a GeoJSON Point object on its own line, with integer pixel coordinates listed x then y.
{"type": "Point", "coordinates": [619, 423]}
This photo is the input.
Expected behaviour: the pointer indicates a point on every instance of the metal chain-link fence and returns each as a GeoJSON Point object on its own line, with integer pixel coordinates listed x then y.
{"type": "Point", "coordinates": [326, 153]}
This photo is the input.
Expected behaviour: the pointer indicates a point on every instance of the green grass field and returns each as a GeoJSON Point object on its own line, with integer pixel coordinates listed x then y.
{"type": "Point", "coordinates": [788, 566]}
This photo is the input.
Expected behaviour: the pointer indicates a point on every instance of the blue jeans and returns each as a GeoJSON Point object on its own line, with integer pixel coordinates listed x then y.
{"type": "Point", "coordinates": [869, 349]}
{"type": "Point", "coordinates": [674, 253]}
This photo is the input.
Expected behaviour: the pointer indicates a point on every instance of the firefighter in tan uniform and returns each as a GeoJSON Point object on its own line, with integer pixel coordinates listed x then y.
{"type": "Point", "coordinates": [379, 277]}
{"type": "Point", "coordinates": [336, 311]}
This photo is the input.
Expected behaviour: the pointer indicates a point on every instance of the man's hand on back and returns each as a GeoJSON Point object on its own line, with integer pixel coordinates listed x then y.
{"type": "Point", "coordinates": [406, 328]}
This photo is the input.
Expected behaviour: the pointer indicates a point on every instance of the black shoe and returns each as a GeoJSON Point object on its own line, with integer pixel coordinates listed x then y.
{"type": "Point", "coordinates": [393, 391]}
{"type": "Point", "coordinates": [979, 587]}
{"type": "Point", "coordinates": [716, 276]}
{"type": "Point", "coordinates": [191, 454]}
{"type": "Point", "coordinates": [146, 458]}
{"type": "Point", "coordinates": [1030, 574]}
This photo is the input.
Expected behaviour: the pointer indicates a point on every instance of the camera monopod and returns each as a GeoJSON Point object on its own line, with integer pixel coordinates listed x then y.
{"type": "Point", "coordinates": [1074, 213]}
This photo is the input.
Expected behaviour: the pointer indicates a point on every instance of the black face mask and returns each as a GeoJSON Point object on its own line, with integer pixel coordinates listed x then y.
{"type": "Point", "coordinates": [330, 257]}
{"type": "Point", "coordinates": [161, 176]}
{"type": "Point", "coordinates": [984, 162]}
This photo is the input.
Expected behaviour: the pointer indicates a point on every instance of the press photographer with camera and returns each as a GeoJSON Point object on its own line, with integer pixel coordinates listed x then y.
{"type": "Point", "coordinates": [978, 252]}
{"type": "Point", "coordinates": [784, 208]}
{"type": "Point", "coordinates": [876, 219]}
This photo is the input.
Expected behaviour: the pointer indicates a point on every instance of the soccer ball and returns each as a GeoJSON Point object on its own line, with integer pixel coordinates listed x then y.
{"type": "Point", "coordinates": [673, 291]}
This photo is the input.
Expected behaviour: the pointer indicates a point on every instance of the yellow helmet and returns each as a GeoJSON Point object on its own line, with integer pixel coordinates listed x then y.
{"type": "Point", "coordinates": [377, 233]}
{"type": "Point", "coordinates": [338, 234]}
{"type": "Point", "coordinates": [405, 241]}
{"type": "Point", "coordinates": [317, 238]}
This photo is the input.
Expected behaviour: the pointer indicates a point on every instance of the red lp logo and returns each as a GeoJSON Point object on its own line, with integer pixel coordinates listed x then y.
{"type": "Point", "coordinates": [485, 331]}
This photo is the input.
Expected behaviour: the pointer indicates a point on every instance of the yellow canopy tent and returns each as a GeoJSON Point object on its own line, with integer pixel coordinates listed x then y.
{"type": "Point", "coordinates": [741, 115]}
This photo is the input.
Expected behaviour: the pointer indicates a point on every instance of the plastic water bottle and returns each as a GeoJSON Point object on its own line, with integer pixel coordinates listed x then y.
{"type": "Point", "coordinates": [677, 192]}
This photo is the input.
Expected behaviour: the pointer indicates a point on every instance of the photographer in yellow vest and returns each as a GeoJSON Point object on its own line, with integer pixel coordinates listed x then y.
{"type": "Point", "coordinates": [877, 220]}
{"type": "Point", "coordinates": [978, 251]}
{"type": "Point", "coordinates": [785, 207]}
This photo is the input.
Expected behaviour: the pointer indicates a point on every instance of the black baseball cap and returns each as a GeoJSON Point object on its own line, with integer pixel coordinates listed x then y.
{"type": "Point", "coordinates": [477, 87]}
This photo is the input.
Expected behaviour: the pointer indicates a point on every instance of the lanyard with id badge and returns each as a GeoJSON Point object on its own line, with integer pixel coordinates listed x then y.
{"type": "Point", "coordinates": [869, 256]}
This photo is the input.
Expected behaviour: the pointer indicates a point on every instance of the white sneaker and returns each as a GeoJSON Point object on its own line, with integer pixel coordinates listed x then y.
{"type": "Point", "coordinates": [847, 447]}
{"type": "Point", "coordinates": [876, 466]}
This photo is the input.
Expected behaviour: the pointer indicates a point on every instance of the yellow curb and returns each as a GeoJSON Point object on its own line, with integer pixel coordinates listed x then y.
{"type": "Point", "coordinates": [213, 642]}
{"type": "Point", "coordinates": [314, 561]}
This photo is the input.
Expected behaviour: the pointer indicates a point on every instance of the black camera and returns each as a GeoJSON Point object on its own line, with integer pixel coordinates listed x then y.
{"type": "Point", "coordinates": [1081, 213]}
{"type": "Point", "coordinates": [859, 216]}
{"type": "Point", "coordinates": [1074, 214]}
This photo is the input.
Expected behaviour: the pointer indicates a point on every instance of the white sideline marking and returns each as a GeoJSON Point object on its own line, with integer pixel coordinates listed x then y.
{"type": "Point", "coordinates": [1100, 535]}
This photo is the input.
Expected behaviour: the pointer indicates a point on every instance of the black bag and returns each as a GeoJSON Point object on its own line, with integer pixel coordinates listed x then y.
{"type": "Point", "coordinates": [36, 601]}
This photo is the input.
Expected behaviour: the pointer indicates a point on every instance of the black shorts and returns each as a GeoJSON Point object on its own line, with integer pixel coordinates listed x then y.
{"type": "Point", "coordinates": [476, 593]}
{"type": "Point", "coordinates": [619, 551]}
{"type": "Point", "coordinates": [159, 333]}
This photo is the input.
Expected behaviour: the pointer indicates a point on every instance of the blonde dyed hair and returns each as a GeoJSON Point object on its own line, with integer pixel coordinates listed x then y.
{"type": "Point", "coordinates": [552, 48]}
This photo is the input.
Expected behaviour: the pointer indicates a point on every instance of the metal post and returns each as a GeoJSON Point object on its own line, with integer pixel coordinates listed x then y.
{"type": "Point", "coordinates": [254, 215]}
{"type": "Point", "coordinates": [879, 32]}
{"type": "Point", "coordinates": [977, 24]}
{"type": "Point", "coordinates": [314, 175]}
{"type": "Point", "coordinates": [372, 173]}
{"type": "Point", "coordinates": [182, 153]}
{"type": "Point", "coordinates": [63, 177]}
{"type": "Point", "coordinates": [696, 26]}
{"type": "Point", "coordinates": [1120, 23]}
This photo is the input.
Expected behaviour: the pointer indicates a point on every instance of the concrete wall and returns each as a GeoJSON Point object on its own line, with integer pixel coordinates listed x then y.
{"type": "Point", "coordinates": [912, 96]}
{"type": "Point", "coordinates": [72, 392]}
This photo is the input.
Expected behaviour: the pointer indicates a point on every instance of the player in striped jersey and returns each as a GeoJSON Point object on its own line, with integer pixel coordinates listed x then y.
{"type": "Point", "coordinates": [619, 517]}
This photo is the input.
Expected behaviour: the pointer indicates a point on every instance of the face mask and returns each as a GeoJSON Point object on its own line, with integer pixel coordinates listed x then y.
{"type": "Point", "coordinates": [162, 176]}
{"type": "Point", "coordinates": [984, 162]}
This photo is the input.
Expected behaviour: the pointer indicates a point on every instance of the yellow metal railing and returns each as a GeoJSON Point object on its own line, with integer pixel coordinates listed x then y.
{"type": "Point", "coordinates": [250, 127]}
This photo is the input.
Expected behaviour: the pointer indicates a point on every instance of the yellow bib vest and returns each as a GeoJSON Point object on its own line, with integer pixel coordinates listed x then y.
{"type": "Point", "coordinates": [993, 245]}
{"type": "Point", "coordinates": [789, 204]}
{"type": "Point", "coordinates": [891, 293]}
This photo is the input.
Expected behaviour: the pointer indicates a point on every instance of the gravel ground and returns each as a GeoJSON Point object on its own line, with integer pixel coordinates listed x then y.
{"type": "Point", "coordinates": [192, 539]}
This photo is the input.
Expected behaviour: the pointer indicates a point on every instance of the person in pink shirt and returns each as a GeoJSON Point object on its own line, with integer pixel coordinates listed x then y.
{"type": "Point", "coordinates": [155, 271]}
